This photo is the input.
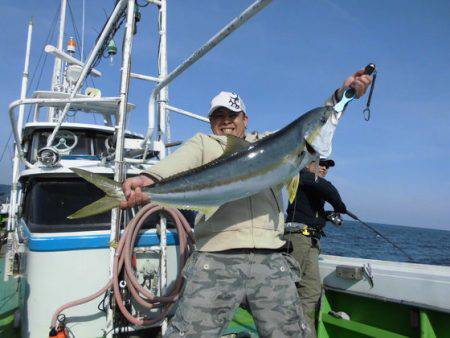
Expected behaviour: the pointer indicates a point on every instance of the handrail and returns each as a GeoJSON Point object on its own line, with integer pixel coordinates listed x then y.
{"type": "Point", "coordinates": [187, 113]}
{"type": "Point", "coordinates": [216, 39]}
{"type": "Point", "coordinates": [14, 104]}
{"type": "Point", "coordinates": [145, 77]}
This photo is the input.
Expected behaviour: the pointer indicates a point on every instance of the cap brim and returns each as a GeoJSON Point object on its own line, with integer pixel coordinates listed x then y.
{"type": "Point", "coordinates": [214, 108]}
{"type": "Point", "coordinates": [328, 163]}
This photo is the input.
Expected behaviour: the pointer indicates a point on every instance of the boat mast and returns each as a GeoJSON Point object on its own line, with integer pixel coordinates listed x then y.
{"type": "Point", "coordinates": [57, 68]}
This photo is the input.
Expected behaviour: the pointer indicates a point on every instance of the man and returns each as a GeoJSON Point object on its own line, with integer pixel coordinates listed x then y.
{"type": "Point", "coordinates": [239, 249]}
{"type": "Point", "coordinates": [306, 219]}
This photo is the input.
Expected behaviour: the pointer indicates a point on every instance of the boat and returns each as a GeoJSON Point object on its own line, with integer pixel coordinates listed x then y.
{"type": "Point", "coordinates": [50, 260]}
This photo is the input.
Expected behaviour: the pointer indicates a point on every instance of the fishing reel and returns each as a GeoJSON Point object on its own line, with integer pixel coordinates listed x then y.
{"type": "Point", "coordinates": [335, 218]}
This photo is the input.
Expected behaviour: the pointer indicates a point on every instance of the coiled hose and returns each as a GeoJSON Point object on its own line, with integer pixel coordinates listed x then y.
{"type": "Point", "coordinates": [123, 263]}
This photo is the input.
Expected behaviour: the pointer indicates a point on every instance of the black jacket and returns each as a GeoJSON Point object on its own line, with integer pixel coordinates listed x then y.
{"type": "Point", "coordinates": [307, 207]}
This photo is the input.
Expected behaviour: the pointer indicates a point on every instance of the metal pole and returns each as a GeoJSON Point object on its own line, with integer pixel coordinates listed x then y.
{"type": "Point", "coordinates": [120, 129]}
{"type": "Point", "coordinates": [216, 39]}
{"type": "Point", "coordinates": [112, 19]}
{"type": "Point", "coordinates": [57, 68]}
{"type": "Point", "coordinates": [163, 97]}
{"type": "Point", "coordinates": [184, 112]}
{"type": "Point", "coordinates": [144, 77]}
{"type": "Point", "coordinates": [83, 10]}
{"type": "Point", "coordinates": [11, 246]}
{"type": "Point", "coordinates": [12, 219]}
{"type": "Point", "coordinates": [162, 63]}
{"type": "Point", "coordinates": [70, 59]}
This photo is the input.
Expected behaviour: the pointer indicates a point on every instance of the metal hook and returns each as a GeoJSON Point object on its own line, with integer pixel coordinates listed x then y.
{"type": "Point", "coordinates": [366, 111]}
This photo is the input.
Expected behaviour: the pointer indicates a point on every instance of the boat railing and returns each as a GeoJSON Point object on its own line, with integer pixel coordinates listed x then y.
{"type": "Point", "coordinates": [17, 103]}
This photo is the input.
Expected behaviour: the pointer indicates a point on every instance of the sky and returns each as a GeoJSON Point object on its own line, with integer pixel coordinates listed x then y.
{"type": "Point", "coordinates": [285, 61]}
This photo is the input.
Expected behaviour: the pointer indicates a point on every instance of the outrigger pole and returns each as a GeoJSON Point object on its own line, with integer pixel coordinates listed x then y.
{"type": "Point", "coordinates": [14, 197]}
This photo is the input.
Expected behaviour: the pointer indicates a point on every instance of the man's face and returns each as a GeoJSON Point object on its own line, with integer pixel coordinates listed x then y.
{"type": "Point", "coordinates": [226, 122]}
{"type": "Point", "coordinates": [323, 169]}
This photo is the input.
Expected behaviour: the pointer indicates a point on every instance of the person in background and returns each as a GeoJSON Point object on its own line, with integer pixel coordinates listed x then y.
{"type": "Point", "coordinates": [306, 219]}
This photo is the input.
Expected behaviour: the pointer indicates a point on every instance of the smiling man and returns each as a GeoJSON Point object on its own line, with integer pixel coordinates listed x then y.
{"type": "Point", "coordinates": [227, 115]}
{"type": "Point", "coordinates": [240, 254]}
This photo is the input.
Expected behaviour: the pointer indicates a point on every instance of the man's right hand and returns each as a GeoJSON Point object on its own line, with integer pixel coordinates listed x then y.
{"type": "Point", "coordinates": [132, 189]}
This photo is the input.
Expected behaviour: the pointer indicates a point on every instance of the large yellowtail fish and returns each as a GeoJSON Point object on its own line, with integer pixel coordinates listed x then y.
{"type": "Point", "coordinates": [243, 170]}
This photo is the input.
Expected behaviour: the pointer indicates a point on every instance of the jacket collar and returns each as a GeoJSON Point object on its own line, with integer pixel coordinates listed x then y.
{"type": "Point", "coordinates": [250, 137]}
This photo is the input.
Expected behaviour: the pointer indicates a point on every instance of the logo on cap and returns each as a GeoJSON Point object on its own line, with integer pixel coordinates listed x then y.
{"type": "Point", "coordinates": [234, 101]}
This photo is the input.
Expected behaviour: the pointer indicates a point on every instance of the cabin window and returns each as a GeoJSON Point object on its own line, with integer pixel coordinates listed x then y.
{"type": "Point", "coordinates": [68, 142]}
{"type": "Point", "coordinates": [48, 202]}
{"type": "Point", "coordinates": [100, 144]}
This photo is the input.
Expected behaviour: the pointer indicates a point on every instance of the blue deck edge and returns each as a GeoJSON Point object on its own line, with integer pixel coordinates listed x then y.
{"type": "Point", "coordinates": [90, 241]}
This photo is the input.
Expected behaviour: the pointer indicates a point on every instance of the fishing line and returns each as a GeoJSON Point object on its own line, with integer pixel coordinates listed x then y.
{"type": "Point", "coordinates": [6, 147]}
{"type": "Point", "coordinates": [352, 215]}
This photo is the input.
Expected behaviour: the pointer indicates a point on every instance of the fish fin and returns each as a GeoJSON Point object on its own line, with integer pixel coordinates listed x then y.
{"type": "Point", "coordinates": [109, 187]}
{"type": "Point", "coordinates": [234, 144]}
{"type": "Point", "coordinates": [209, 211]}
{"type": "Point", "coordinates": [98, 207]}
{"type": "Point", "coordinates": [292, 187]}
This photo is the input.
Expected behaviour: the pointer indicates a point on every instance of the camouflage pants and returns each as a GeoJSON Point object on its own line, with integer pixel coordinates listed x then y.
{"type": "Point", "coordinates": [216, 283]}
{"type": "Point", "coordinates": [306, 252]}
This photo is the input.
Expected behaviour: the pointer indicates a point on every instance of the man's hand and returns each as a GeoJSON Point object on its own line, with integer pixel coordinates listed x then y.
{"type": "Point", "coordinates": [358, 81]}
{"type": "Point", "coordinates": [132, 189]}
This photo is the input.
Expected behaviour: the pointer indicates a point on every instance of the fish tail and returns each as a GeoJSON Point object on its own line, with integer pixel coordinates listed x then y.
{"type": "Point", "coordinates": [112, 189]}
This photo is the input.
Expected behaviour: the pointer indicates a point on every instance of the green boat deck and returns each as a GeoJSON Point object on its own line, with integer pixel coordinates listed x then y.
{"type": "Point", "coordinates": [368, 318]}
{"type": "Point", "coordinates": [10, 293]}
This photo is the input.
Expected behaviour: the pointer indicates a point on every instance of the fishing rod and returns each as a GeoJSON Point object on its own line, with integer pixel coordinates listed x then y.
{"type": "Point", "coordinates": [352, 215]}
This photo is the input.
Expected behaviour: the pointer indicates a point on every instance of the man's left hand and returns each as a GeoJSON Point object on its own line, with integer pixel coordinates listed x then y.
{"type": "Point", "coordinates": [359, 82]}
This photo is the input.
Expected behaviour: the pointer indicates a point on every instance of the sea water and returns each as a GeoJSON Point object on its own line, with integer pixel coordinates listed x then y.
{"type": "Point", "coordinates": [424, 245]}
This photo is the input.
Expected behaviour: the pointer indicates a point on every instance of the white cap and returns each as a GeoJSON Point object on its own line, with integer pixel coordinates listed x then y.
{"type": "Point", "coordinates": [228, 100]}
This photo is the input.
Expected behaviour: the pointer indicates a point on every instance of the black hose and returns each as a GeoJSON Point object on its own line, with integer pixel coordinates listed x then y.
{"type": "Point", "coordinates": [352, 215]}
